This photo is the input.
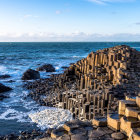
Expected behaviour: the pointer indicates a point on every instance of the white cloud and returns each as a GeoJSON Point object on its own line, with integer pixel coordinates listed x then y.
{"type": "Point", "coordinates": [109, 1]}
{"type": "Point", "coordinates": [76, 36]}
{"type": "Point", "coordinates": [28, 16]}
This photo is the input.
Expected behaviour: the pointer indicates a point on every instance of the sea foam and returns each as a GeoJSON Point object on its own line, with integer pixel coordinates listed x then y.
{"type": "Point", "coordinates": [51, 117]}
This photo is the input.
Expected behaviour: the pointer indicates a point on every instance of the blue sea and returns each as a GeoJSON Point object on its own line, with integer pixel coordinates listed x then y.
{"type": "Point", "coordinates": [16, 58]}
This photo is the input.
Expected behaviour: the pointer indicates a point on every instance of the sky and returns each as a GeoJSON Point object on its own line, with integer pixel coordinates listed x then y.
{"type": "Point", "coordinates": [69, 20]}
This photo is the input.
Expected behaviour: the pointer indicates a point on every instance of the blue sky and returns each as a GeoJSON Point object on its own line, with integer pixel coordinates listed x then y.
{"type": "Point", "coordinates": [69, 20]}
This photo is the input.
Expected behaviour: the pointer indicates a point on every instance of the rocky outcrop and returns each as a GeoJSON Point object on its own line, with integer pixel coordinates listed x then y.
{"type": "Point", "coordinates": [47, 68]}
{"type": "Point", "coordinates": [4, 88]}
{"type": "Point", "coordinates": [91, 89]}
{"type": "Point", "coordinates": [30, 75]}
{"type": "Point", "coordinates": [4, 76]}
{"type": "Point", "coordinates": [92, 86]}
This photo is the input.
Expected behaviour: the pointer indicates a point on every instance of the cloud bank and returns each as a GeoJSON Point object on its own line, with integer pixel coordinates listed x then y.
{"type": "Point", "coordinates": [76, 37]}
{"type": "Point", "coordinates": [109, 1]}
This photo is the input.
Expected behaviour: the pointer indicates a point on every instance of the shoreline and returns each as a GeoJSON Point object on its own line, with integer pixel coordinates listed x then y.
{"type": "Point", "coordinates": [92, 87]}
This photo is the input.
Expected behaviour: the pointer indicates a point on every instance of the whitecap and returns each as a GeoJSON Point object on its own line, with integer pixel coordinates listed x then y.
{"type": "Point", "coordinates": [51, 118]}
{"type": "Point", "coordinates": [12, 114]}
{"type": "Point", "coordinates": [75, 56]}
{"type": "Point", "coordinates": [57, 68]}
{"type": "Point", "coordinates": [2, 69]}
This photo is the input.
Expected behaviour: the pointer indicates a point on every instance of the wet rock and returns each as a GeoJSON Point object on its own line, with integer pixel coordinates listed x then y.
{"type": "Point", "coordinates": [64, 67]}
{"type": "Point", "coordinates": [4, 76]}
{"type": "Point", "coordinates": [64, 137]}
{"type": "Point", "coordinates": [2, 97]}
{"type": "Point", "coordinates": [47, 68]}
{"type": "Point", "coordinates": [30, 75]}
{"type": "Point", "coordinates": [58, 132]}
{"type": "Point", "coordinates": [100, 121]}
{"type": "Point", "coordinates": [4, 88]}
{"type": "Point", "coordinates": [96, 134]}
{"type": "Point", "coordinates": [10, 81]}
{"type": "Point", "coordinates": [47, 138]}
{"type": "Point", "coordinates": [118, 136]}
{"type": "Point", "coordinates": [79, 137]}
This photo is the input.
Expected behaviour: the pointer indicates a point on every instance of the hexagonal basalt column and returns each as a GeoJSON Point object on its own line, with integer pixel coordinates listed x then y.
{"type": "Point", "coordinates": [99, 121]}
{"type": "Point", "coordinates": [113, 121]}
{"type": "Point", "coordinates": [125, 103]}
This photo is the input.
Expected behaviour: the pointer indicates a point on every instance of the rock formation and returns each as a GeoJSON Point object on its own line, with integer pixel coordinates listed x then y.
{"type": "Point", "coordinates": [4, 88]}
{"type": "Point", "coordinates": [30, 75]}
{"type": "Point", "coordinates": [124, 125]}
{"type": "Point", "coordinates": [102, 90]}
{"type": "Point", "coordinates": [47, 68]}
{"type": "Point", "coordinates": [92, 86]}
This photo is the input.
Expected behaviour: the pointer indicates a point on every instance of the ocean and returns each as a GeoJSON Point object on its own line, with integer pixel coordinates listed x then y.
{"type": "Point", "coordinates": [16, 58]}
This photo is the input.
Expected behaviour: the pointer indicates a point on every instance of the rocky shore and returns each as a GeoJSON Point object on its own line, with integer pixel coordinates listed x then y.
{"type": "Point", "coordinates": [102, 91]}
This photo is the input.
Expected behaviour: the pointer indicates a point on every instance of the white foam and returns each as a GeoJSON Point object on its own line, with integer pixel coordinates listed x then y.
{"type": "Point", "coordinates": [11, 114]}
{"type": "Point", "coordinates": [75, 56]}
{"type": "Point", "coordinates": [2, 69]}
{"type": "Point", "coordinates": [57, 68]}
{"type": "Point", "coordinates": [51, 117]}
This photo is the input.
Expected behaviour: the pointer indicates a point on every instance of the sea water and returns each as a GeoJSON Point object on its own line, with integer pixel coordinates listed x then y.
{"type": "Point", "coordinates": [16, 58]}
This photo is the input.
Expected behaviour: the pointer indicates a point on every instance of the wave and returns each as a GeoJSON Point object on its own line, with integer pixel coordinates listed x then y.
{"type": "Point", "coordinates": [51, 118]}
{"type": "Point", "coordinates": [3, 69]}
{"type": "Point", "coordinates": [12, 114]}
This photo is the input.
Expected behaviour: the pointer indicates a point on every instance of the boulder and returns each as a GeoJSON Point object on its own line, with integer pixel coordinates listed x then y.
{"type": "Point", "coordinates": [4, 88]}
{"type": "Point", "coordinates": [118, 136]}
{"type": "Point", "coordinates": [47, 68]}
{"type": "Point", "coordinates": [30, 75]}
{"type": "Point", "coordinates": [4, 76]}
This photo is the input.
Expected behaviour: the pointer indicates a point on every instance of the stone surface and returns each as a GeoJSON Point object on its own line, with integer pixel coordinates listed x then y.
{"type": "Point", "coordinates": [113, 121]}
{"type": "Point", "coordinates": [100, 121]}
{"type": "Point", "coordinates": [138, 100]}
{"type": "Point", "coordinates": [58, 132]}
{"type": "Point", "coordinates": [4, 88]}
{"type": "Point", "coordinates": [132, 112]}
{"type": "Point", "coordinates": [47, 68]}
{"type": "Point", "coordinates": [125, 103]}
{"type": "Point", "coordinates": [79, 137]}
{"type": "Point", "coordinates": [30, 75]}
{"type": "Point", "coordinates": [118, 136]}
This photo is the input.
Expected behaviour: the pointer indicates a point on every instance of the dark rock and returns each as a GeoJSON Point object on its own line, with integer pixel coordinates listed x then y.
{"type": "Point", "coordinates": [71, 63]}
{"type": "Point", "coordinates": [58, 132]}
{"type": "Point", "coordinates": [64, 137]}
{"type": "Point", "coordinates": [30, 75]}
{"type": "Point", "coordinates": [47, 68]}
{"type": "Point", "coordinates": [118, 136]}
{"type": "Point", "coordinates": [78, 131]}
{"type": "Point", "coordinates": [79, 137]}
{"type": "Point", "coordinates": [4, 76]}
{"type": "Point", "coordinates": [105, 130]}
{"type": "Point", "coordinates": [64, 67]}
{"type": "Point", "coordinates": [10, 81]}
{"type": "Point", "coordinates": [96, 134]}
{"type": "Point", "coordinates": [4, 88]}
{"type": "Point", "coordinates": [2, 97]}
